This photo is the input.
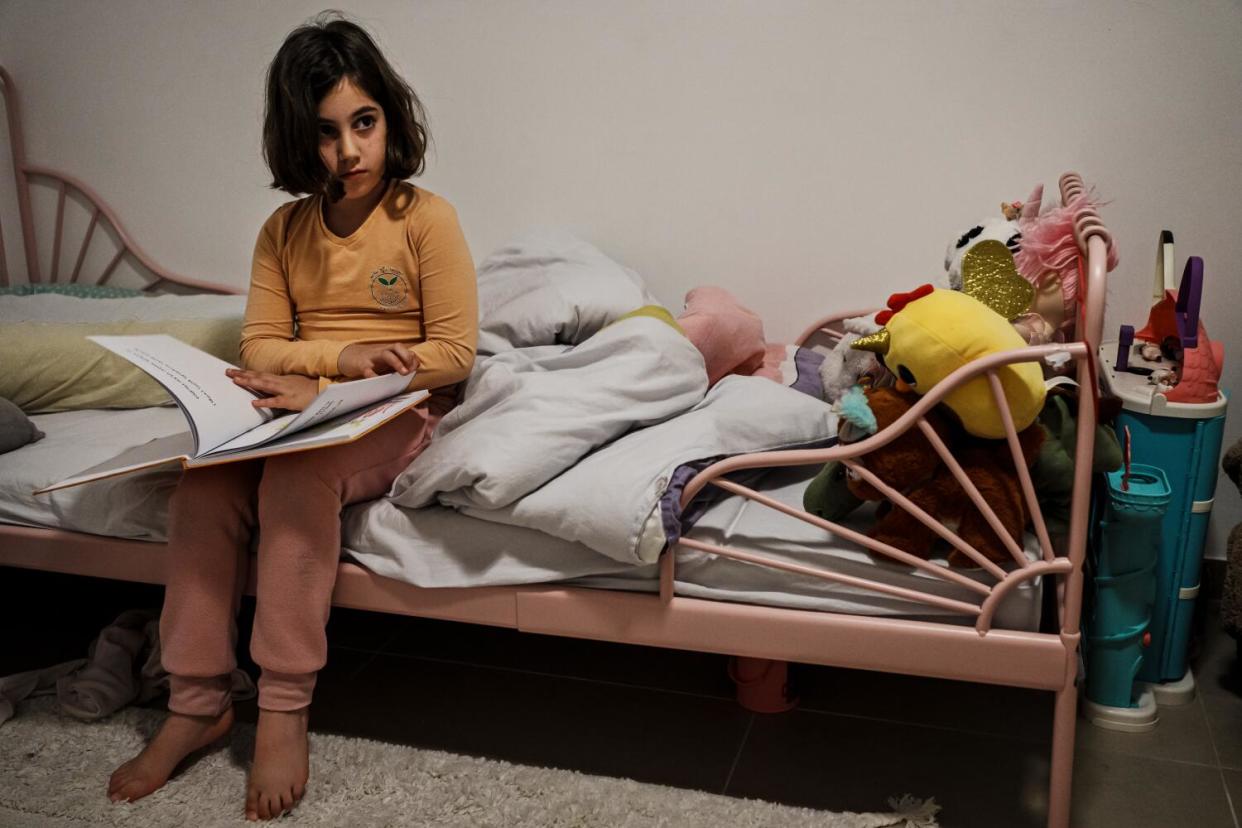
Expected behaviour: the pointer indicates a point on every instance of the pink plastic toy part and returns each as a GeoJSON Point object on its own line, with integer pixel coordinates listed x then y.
{"type": "Point", "coordinates": [1201, 370]}
{"type": "Point", "coordinates": [762, 684]}
{"type": "Point", "coordinates": [1175, 317]}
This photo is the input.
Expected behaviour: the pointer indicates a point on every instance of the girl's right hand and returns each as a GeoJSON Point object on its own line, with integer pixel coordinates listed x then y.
{"type": "Point", "coordinates": [360, 360]}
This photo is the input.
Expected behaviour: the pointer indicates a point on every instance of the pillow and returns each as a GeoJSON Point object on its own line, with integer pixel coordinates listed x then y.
{"type": "Point", "coordinates": [42, 339]}
{"type": "Point", "coordinates": [52, 366]}
{"type": "Point", "coordinates": [16, 430]}
{"type": "Point", "coordinates": [729, 335]}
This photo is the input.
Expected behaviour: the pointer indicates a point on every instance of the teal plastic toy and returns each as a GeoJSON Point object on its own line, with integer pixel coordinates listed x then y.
{"type": "Point", "coordinates": [1125, 553]}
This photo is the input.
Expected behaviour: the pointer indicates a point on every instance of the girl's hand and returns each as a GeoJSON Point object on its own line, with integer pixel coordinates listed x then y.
{"type": "Point", "coordinates": [292, 392]}
{"type": "Point", "coordinates": [360, 360]}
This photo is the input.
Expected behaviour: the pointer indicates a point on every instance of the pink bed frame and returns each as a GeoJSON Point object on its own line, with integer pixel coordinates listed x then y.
{"type": "Point", "coordinates": [764, 639]}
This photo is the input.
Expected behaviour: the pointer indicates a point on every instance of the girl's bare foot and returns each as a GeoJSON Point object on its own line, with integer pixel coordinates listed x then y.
{"type": "Point", "coordinates": [177, 738]}
{"type": "Point", "coordinates": [281, 764]}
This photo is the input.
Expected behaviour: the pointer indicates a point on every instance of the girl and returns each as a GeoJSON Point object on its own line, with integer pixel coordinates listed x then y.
{"type": "Point", "coordinates": [367, 274]}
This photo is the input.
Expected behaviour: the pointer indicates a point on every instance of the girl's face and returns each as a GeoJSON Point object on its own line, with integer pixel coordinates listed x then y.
{"type": "Point", "coordinates": [353, 139]}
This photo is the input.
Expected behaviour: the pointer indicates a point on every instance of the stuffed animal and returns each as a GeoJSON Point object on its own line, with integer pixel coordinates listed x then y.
{"type": "Point", "coordinates": [1030, 325]}
{"type": "Point", "coordinates": [828, 495]}
{"type": "Point", "coordinates": [1053, 471]}
{"type": "Point", "coordinates": [929, 333]}
{"type": "Point", "coordinates": [1045, 253]}
{"type": "Point", "coordinates": [843, 366]}
{"type": "Point", "coordinates": [1004, 230]}
{"type": "Point", "coordinates": [910, 465]}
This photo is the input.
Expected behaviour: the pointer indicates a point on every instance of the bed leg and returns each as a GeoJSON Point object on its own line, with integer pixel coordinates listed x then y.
{"type": "Point", "coordinates": [1063, 723]}
{"type": "Point", "coordinates": [762, 684]}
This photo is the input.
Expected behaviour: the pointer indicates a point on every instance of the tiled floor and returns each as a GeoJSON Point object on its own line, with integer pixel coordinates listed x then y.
{"type": "Point", "coordinates": [668, 717]}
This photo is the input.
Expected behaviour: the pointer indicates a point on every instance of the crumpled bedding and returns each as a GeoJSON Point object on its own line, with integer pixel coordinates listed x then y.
{"type": "Point", "coordinates": [531, 413]}
{"type": "Point", "coordinates": [573, 423]}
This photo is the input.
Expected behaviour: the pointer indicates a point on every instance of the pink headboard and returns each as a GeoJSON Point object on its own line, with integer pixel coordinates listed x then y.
{"type": "Point", "coordinates": [76, 195]}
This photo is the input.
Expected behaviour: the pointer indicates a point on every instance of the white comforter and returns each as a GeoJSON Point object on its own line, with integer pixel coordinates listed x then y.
{"type": "Point", "coordinates": [531, 413]}
{"type": "Point", "coordinates": [573, 426]}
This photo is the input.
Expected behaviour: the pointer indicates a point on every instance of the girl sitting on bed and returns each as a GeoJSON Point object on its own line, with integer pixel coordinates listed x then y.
{"type": "Point", "coordinates": [367, 274]}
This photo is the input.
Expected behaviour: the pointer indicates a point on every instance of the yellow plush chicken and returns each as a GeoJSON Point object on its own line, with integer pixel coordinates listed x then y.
{"type": "Point", "coordinates": [930, 333]}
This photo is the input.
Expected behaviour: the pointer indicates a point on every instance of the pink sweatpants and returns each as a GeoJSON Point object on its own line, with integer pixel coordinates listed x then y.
{"type": "Point", "coordinates": [295, 501]}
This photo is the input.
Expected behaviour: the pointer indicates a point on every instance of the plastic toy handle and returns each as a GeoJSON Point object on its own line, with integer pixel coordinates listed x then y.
{"type": "Point", "coordinates": [1164, 266]}
{"type": "Point", "coordinates": [1124, 342]}
{"type": "Point", "coordinates": [1125, 478]}
{"type": "Point", "coordinates": [1189, 298]}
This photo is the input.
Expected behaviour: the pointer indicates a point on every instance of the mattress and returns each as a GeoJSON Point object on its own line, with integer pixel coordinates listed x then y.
{"type": "Point", "coordinates": [130, 506]}
{"type": "Point", "coordinates": [439, 547]}
{"type": "Point", "coordinates": [751, 527]}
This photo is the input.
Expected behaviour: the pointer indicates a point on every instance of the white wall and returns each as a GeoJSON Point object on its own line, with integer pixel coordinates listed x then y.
{"type": "Point", "coordinates": [807, 155]}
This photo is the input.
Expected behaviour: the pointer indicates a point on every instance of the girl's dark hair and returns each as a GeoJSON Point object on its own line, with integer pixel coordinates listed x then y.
{"type": "Point", "coordinates": [309, 65]}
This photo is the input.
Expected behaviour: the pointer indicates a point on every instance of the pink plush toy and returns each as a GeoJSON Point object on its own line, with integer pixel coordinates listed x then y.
{"type": "Point", "coordinates": [729, 335]}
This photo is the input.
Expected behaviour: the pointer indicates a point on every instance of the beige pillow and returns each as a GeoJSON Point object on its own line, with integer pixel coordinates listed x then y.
{"type": "Point", "coordinates": [52, 366]}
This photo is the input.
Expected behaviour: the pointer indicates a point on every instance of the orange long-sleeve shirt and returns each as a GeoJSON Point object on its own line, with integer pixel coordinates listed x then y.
{"type": "Point", "coordinates": [405, 275]}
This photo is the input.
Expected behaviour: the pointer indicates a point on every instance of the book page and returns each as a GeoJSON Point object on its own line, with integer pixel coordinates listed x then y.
{"type": "Point", "coordinates": [335, 400]}
{"type": "Point", "coordinates": [217, 409]}
{"type": "Point", "coordinates": [342, 429]}
{"type": "Point", "coordinates": [173, 448]}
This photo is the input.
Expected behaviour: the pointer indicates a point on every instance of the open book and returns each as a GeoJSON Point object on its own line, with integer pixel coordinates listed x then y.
{"type": "Point", "coordinates": [224, 424]}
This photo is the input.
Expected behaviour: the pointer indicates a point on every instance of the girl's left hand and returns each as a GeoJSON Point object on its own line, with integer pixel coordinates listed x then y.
{"type": "Point", "coordinates": [292, 392]}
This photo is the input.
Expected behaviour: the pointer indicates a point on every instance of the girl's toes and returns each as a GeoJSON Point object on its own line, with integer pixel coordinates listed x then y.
{"type": "Point", "coordinates": [116, 788]}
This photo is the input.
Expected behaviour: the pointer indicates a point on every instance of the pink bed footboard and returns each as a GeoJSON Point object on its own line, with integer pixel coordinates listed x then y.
{"type": "Point", "coordinates": [1094, 239]}
{"type": "Point", "coordinates": [922, 643]}
{"type": "Point", "coordinates": [971, 653]}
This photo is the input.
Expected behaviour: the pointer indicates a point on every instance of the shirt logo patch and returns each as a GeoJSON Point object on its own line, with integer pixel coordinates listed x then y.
{"type": "Point", "coordinates": [389, 288]}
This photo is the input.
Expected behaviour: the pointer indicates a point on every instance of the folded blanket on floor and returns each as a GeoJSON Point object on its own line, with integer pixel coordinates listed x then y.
{"type": "Point", "coordinates": [121, 667]}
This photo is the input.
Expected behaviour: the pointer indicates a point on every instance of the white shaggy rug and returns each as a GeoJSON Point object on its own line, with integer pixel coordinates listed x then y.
{"type": "Point", "coordinates": [54, 772]}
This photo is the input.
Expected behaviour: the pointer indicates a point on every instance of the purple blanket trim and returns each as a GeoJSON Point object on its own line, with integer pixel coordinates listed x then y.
{"type": "Point", "coordinates": [809, 381]}
{"type": "Point", "coordinates": [675, 522]}
{"type": "Point", "coordinates": [670, 502]}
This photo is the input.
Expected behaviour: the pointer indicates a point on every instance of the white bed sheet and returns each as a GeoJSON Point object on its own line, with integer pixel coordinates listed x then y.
{"type": "Point", "coordinates": [748, 526]}
{"type": "Point", "coordinates": [130, 506]}
{"type": "Point", "coordinates": [438, 547]}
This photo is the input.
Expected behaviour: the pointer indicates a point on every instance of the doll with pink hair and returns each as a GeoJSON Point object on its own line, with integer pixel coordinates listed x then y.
{"type": "Point", "coordinates": [1048, 256]}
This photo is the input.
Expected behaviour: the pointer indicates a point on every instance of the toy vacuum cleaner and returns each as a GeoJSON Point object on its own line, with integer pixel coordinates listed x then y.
{"type": "Point", "coordinates": [1172, 421]}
